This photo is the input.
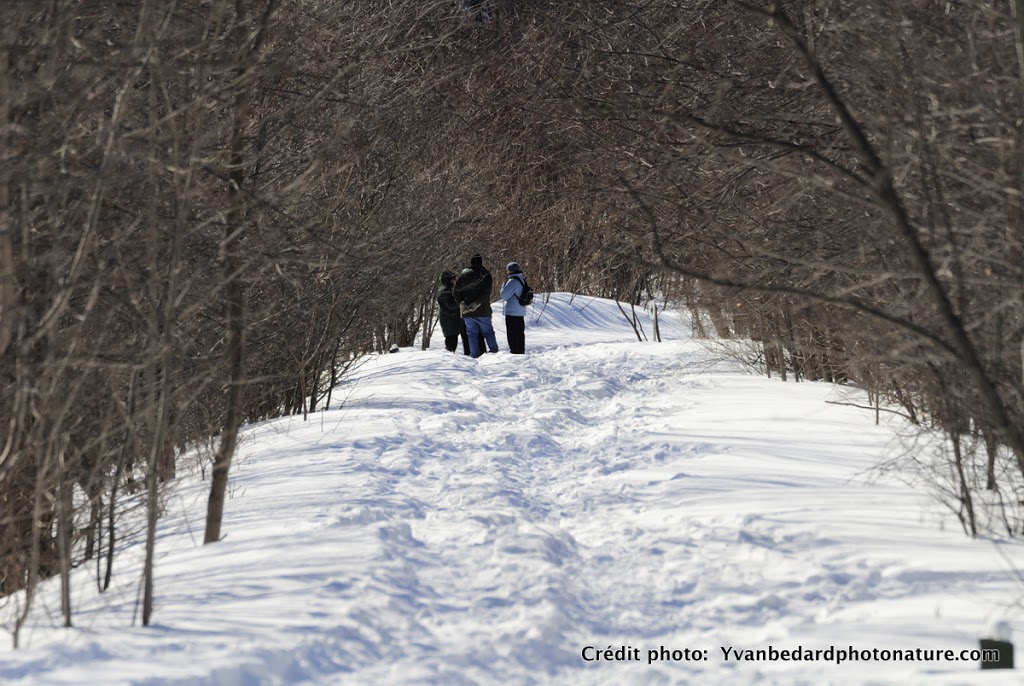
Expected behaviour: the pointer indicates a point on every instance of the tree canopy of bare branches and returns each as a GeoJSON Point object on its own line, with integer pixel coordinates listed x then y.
{"type": "Point", "coordinates": [210, 208]}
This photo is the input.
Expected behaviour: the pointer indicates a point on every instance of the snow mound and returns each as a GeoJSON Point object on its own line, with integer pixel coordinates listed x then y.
{"type": "Point", "coordinates": [507, 519]}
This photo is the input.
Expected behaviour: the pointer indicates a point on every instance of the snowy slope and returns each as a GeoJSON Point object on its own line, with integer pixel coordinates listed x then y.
{"type": "Point", "coordinates": [461, 521]}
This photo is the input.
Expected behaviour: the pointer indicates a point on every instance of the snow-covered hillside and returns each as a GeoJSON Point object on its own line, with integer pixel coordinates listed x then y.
{"type": "Point", "coordinates": [508, 519]}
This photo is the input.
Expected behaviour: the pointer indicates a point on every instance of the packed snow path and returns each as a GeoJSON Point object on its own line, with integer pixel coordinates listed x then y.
{"type": "Point", "coordinates": [458, 521]}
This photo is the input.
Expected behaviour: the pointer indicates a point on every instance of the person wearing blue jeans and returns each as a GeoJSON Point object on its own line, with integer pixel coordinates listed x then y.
{"type": "Point", "coordinates": [473, 291]}
{"type": "Point", "coordinates": [480, 326]}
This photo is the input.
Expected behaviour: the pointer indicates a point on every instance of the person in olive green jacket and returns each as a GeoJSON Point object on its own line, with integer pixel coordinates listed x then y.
{"type": "Point", "coordinates": [451, 319]}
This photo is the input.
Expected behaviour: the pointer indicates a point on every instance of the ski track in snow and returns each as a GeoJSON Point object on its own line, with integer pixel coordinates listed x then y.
{"type": "Point", "coordinates": [458, 521]}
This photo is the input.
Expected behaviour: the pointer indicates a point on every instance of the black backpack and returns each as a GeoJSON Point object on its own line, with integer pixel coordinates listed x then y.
{"type": "Point", "coordinates": [526, 297]}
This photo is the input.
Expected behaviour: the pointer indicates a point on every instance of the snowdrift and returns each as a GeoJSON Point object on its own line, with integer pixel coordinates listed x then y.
{"type": "Point", "coordinates": [599, 511]}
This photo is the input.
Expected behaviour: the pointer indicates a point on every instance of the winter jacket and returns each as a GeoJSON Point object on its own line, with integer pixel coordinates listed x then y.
{"type": "Point", "coordinates": [510, 293]}
{"type": "Point", "coordinates": [474, 288]}
{"type": "Point", "coordinates": [448, 306]}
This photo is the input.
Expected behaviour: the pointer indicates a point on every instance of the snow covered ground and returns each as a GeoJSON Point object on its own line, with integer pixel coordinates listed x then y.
{"type": "Point", "coordinates": [497, 521]}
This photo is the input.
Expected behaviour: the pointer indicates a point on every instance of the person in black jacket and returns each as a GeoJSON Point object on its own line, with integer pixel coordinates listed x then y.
{"type": "Point", "coordinates": [451, 319]}
{"type": "Point", "coordinates": [465, 336]}
{"type": "Point", "coordinates": [473, 292]}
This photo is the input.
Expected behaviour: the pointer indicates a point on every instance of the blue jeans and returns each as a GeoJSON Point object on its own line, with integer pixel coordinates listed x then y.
{"type": "Point", "coordinates": [476, 326]}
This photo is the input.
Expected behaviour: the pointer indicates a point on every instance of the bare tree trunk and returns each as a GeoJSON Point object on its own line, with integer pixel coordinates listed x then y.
{"type": "Point", "coordinates": [991, 450]}
{"type": "Point", "coordinates": [428, 308]}
{"type": "Point", "coordinates": [695, 317]}
{"type": "Point", "coordinates": [637, 324]}
{"type": "Point", "coordinates": [654, 318]}
{"type": "Point", "coordinates": [718, 318]}
{"type": "Point", "coordinates": [790, 344]}
{"type": "Point", "coordinates": [7, 273]}
{"type": "Point", "coordinates": [1016, 223]}
{"type": "Point", "coordinates": [152, 482]}
{"type": "Point", "coordinates": [235, 348]}
{"type": "Point", "coordinates": [234, 310]}
{"type": "Point", "coordinates": [32, 573]}
{"type": "Point", "coordinates": [119, 469]}
{"type": "Point", "coordinates": [64, 533]}
{"type": "Point", "coordinates": [334, 373]}
{"type": "Point", "coordinates": [631, 320]}
{"type": "Point", "coordinates": [112, 513]}
{"type": "Point", "coordinates": [964, 486]}
{"type": "Point", "coordinates": [780, 358]}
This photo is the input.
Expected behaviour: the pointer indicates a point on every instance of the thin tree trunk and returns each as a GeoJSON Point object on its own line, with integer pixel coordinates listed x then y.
{"type": "Point", "coordinates": [631, 320]}
{"type": "Point", "coordinates": [656, 323]}
{"type": "Point", "coordinates": [233, 419]}
{"type": "Point", "coordinates": [32, 573]}
{"type": "Point", "coordinates": [965, 489]}
{"type": "Point", "coordinates": [780, 358]}
{"type": "Point", "coordinates": [119, 470]}
{"type": "Point", "coordinates": [234, 310]}
{"type": "Point", "coordinates": [1015, 225]}
{"type": "Point", "coordinates": [64, 531]}
{"type": "Point", "coordinates": [991, 450]}
{"type": "Point", "coordinates": [7, 273]}
{"type": "Point", "coordinates": [334, 374]}
{"type": "Point", "coordinates": [152, 483]}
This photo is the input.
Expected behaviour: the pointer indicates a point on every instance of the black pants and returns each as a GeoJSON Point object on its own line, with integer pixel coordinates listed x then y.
{"type": "Point", "coordinates": [515, 330]}
{"type": "Point", "coordinates": [451, 342]}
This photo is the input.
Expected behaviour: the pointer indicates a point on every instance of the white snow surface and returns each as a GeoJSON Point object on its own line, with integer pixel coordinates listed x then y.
{"type": "Point", "coordinates": [457, 521]}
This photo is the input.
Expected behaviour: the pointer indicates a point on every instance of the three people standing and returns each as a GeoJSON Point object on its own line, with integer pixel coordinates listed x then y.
{"type": "Point", "coordinates": [464, 303]}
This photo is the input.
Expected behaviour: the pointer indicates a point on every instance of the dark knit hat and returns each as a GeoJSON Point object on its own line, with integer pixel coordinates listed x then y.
{"type": "Point", "coordinates": [476, 261]}
{"type": "Point", "coordinates": [514, 268]}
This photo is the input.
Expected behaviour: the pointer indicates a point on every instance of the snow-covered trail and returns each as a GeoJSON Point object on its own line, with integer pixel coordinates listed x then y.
{"type": "Point", "coordinates": [457, 521]}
